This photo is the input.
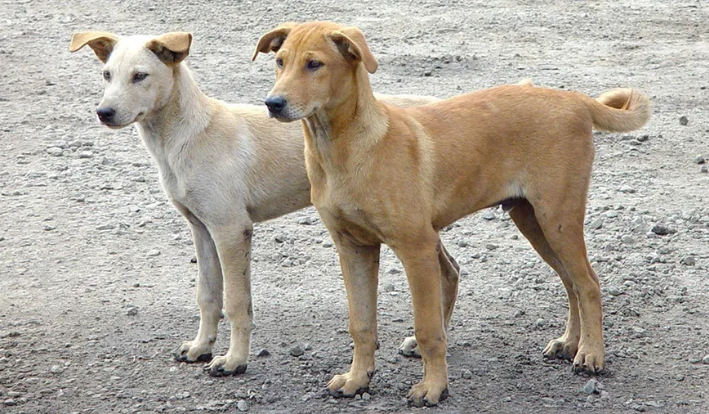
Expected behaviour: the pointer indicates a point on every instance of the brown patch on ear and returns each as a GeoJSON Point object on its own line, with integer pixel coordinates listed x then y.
{"type": "Point", "coordinates": [102, 43]}
{"type": "Point", "coordinates": [273, 40]}
{"type": "Point", "coordinates": [351, 43]}
{"type": "Point", "coordinates": [171, 48]}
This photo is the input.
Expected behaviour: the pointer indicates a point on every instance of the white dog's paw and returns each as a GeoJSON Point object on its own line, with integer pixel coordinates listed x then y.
{"type": "Point", "coordinates": [410, 348]}
{"type": "Point", "coordinates": [193, 351]}
{"type": "Point", "coordinates": [222, 366]}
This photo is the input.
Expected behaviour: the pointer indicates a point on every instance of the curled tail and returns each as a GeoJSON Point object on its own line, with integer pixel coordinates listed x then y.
{"type": "Point", "coordinates": [619, 110]}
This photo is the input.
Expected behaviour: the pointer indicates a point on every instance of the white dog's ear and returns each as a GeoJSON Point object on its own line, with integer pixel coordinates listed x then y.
{"type": "Point", "coordinates": [171, 48]}
{"type": "Point", "coordinates": [102, 43]}
{"type": "Point", "coordinates": [273, 40]}
{"type": "Point", "coordinates": [351, 43]}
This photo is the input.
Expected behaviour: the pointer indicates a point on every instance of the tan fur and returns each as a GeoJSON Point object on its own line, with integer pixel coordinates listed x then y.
{"type": "Point", "coordinates": [223, 166]}
{"type": "Point", "coordinates": [381, 174]}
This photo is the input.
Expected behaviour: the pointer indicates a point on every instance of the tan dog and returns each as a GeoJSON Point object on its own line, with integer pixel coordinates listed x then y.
{"type": "Point", "coordinates": [223, 166]}
{"type": "Point", "coordinates": [381, 174]}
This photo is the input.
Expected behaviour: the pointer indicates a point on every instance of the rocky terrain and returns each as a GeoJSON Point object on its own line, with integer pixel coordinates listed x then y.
{"type": "Point", "coordinates": [97, 283]}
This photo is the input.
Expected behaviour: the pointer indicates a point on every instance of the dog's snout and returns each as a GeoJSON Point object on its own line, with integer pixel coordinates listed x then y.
{"type": "Point", "coordinates": [105, 114]}
{"type": "Point", "coordinates": [276, 103]}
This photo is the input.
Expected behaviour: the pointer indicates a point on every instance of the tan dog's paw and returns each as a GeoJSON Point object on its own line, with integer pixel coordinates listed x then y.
{"type": "Point", "coordinates": [190, 351]}
{"type": "Point", "coordinates": [222, 366]}
{"type": "Point", "coordinates": [561, 348]}
{"type": "Point", "coordinates": [349, 385]}
{"type": "Point", "coordinates": [428, 393]}
{"type": "Point", "coordinates": [410, 348]}
{"type": "Point", "coordinates": [589, 359]}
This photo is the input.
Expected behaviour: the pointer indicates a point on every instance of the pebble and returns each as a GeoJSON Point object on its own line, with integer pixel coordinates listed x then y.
{"type": "Point", "coordinates": [688, 261]}
{"type": "Point", "coordinates": [55, 369]}
{"type": "Point", "coordinates": [327, 244]}
{"type": "Point", "coordinates": [488, 215]}
{"type": "Point", "coordinates": [263, 353]}
{"type": "Point", "coordinates": [611, 214]}
{"type": "Point", "coordinates": [132, 311]}
{"type": "Point", "coordinates": [699, 159]}
{"type": "Point", "coordinates": [683, 120]}
{"type": "Point", "coordinates": [296, 351]}
{"type": "Point", "coordinates": [705, 360]}
{"type": "Point", "coordinates": [704, 169]}
{"type": "Point", "coordinates": [86, 154]}
{"type": "Point", "coordinates": [627, 239]}
{"type": "Point", "coordinates": [591, 386]}
{"type": "Point", "coordinates": [596, 224]}
{"type": "Point", "coordinates": [614, 291]}
{"type": "Point", "coordinates": [10, 402]}
{"type": "Point", "coordinates": [242, 405]}
{"type": "Point", "coordinates": [467, 374]}
{"type": "Point", "coordinates": [627, 189]}
{"type": "Point", "coordinates": [54, 151]}
{"type": "Point", "coordinates": [393, 271]}
{"type": "Point", "coordinates": [366, 396]}
{"type": "Point", "coordinates": [462, 243]}
{"type": "Point", "coordinates": [153, 253]}
{"type": "Point", "coordinates": [307, 221]}
{"type": "Point", "coordinates": [661, 230]}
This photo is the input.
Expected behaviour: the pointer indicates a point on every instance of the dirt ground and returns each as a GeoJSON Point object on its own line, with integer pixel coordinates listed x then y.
{"type": "Point", "coordinates": [97, 285]}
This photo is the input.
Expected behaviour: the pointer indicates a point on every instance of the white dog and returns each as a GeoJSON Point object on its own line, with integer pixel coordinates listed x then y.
{"type": "Point", "coordinates": [223, 166]}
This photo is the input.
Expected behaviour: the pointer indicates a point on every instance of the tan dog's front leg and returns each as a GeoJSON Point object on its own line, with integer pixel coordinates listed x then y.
{"type": "Point", "coordinates": [209, 296]}
{"type": "Point", "coordinates": [234, 248]}
{"type": "Point", "coordinates": [423, 271]}
{"type": "Point", "coordinates": [450, 274]}
{"type": "Point", "coordinates": [360, 265]}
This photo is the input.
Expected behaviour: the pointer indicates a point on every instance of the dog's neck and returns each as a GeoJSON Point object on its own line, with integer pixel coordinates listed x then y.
{"type": "Point", "coordinates": [357, 116]}
{"type": "Point", "coordinates": [181, 116]}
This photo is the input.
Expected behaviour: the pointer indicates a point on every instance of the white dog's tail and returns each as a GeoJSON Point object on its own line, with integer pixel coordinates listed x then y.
{"type": "Point", "coordinates": [619, 110]}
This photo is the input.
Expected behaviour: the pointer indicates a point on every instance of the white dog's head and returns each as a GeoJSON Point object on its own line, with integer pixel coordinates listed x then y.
{"type": "Point", "coordinates": [138, 72]}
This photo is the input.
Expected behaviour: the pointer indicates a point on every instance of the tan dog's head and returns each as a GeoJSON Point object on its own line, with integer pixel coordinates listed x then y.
{"type": "Point", "coordinates": [317, 65]}
{"type": "Point", "coordinates": [138, 72]}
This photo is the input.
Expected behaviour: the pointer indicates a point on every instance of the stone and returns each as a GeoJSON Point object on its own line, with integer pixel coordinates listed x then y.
{"type": "Point", "coordinates": [661, 230]}
{"type": "Point", "coordinates": [596, 224]}
{"type": "Point", "coordinates": [242, 405]}
{"type": "Point", "coordinates": [467, 374]}
{"type": "Point", "coordinates": [705, 360]}
{"type": "Point", "coordinates": [296, 351]}
{"type": "Point", "coordinates": [366, 396]}
{"type": "Point", "coordinates": [627, 239]}
{"type": "Point", "coordinates": [263, 353]}
{"type": "Point", "coordinates": [704, 169]}
{"type": "Point", "coordinates": [10, 402]}
{"type": "Point", "coordinates": [132, 311]}
{"type": "Point", "coordinates": [591, 386]}
{"type": "Point", "coordinates": [683, 120]}
{"type": "Point", "coordinates": [488, 215]}
{"type": "Point", "coordinates": [55, 151]}
{"type": "Point", "coordinates": [699, 160]}
{"type": "Point", "coordinates": [614, 291]}
{"type": "Point", "coordinates": [462, 243]}
{"type": "Point", "coordinates": [688, 261]}
{"type": "Point", "coordinates": [86, 154]}
{"type": "Point", "coordinates": [153, 253]}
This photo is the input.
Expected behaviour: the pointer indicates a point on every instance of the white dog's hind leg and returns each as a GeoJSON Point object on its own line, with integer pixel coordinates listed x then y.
{"type": "Point", "coordinates": [209, 296]}
{"type": "Point", "coordinates": [234, 248]}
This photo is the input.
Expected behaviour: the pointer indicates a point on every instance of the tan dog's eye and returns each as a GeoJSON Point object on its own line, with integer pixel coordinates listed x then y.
{"type": "Point", "coordinates": [314, 64]}
{"type": "Point", "coordinates": [279, 62]}
{"type": "Point", "coordinates": [139, 77]}
{"type": "Point", "coordinates": [107, 75]}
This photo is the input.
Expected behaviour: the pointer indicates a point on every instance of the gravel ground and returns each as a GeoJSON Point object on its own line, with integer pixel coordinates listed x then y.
{"type": "Point", "coordinates": [97, 285]}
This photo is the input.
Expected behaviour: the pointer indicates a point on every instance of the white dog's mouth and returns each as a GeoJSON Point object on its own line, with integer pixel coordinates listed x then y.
{"type": "Point", "coordinates": [119, 125]}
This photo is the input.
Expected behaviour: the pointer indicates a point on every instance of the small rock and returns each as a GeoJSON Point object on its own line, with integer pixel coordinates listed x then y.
{"type": "Point", "coordinates": [263, 353]}
{"type": "Point", "coordinates": [327, 244]}
{"type": "Point", "coordinates": [596, 224]}
{"type": "Point", "coordinates": [10, 402]}
{"type": "Point", "coordinates": [488, 215]}
{"type": "Point", "coordinates": [86, 154]}
{"type": "Point", "coordinates": [366, 396]}
{"type": "Point", "coordinates": [627, 189]}
{"type": "Point", "coordinates": [307, 221]}
{"type": "Point", "coordinates": [462, 243]}
{"type": "Point", "coordinates": [467, 374]}
{"type": "Point", "coordinates": [389, 287]}
{"type": "Point", "coordinates": [705, 360]}
{"type": "Point", "coordinates": [611, 214]}
{"type": "Point", "coordinates": [539, 323]}
{"type": "Point", "coordinates": [614, 291]}
{"type": "Point", "coordinates": [393, 271]}
{"type": "Point", "coordinates": [132, 311]}
{"type": "Point", "coordinates": [661, 230]}
{"type": "Point", "coordinates": [54, 151]}
{"type": "Point", "coordinates": [688, 261]}
{"type": "Point", "coordinates": [683, 120]}
{"type": "Point", "coordinates": [296, 351]}
{"type": "Point", "coordinates": [55, 369]}
{"type": "Point", "coordinates": [704, 169]}
{"type": "Point", "coordinates": [242, 405]}
{"type": "Point", "coordinates": [591, 386]}
{"type": "Point", "coordinates": [627, 239]}
{"type": "Point", "coordinates": [699, 160]}
{"type": "Point", "coordinates": [643, 138]}
{"type": "Point", "coordinates": [153, 253]}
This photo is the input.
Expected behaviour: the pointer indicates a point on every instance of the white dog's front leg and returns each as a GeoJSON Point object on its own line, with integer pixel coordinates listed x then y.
{"type": "Point", "coordinates": [234, 248]}
{"type": "Point", "coordinates": [209, 297]}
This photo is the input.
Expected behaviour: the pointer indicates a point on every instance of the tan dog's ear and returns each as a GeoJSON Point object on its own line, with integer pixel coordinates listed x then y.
{"type": "Point", "coordinates": [171, 48]}
{"type": "Point", "coordinates": [102, 43]}
{"type": "Point", "coordinates": [353, 46]}
{"type": "Point", "coordinates": [273, 40]}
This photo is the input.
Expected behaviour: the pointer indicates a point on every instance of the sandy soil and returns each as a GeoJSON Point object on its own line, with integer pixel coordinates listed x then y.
{"type": "Point", "coordinates": [97, 284]}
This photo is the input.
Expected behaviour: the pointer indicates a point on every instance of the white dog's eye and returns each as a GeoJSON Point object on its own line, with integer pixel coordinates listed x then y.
{"type": "Point", "coordinates": [107, 75]}
{"type": "Point", "coordinates": [139, 77]}
{"type": "Point", "coordinates": [279, 62]}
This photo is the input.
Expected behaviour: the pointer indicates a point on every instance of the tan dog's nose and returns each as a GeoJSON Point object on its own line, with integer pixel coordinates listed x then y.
{"type": "Point", "coordinates": [276, 104]}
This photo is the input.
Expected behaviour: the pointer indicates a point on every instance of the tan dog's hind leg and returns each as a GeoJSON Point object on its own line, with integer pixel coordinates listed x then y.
{"type": "Point", "coordinates": [423, 271]}
{"type": "Point", "coordinates": [450, 274]}
{"type": "Point", "coordinates": [360, 267]}
{"type": "Point", "coordinates": [234, 248]}
{"type": "Point", "coordinates": [566, 346]}
{"type": "Point", "coordinates": [209, 296]}
{"type": "Point", "coordinates": [561, 221]}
